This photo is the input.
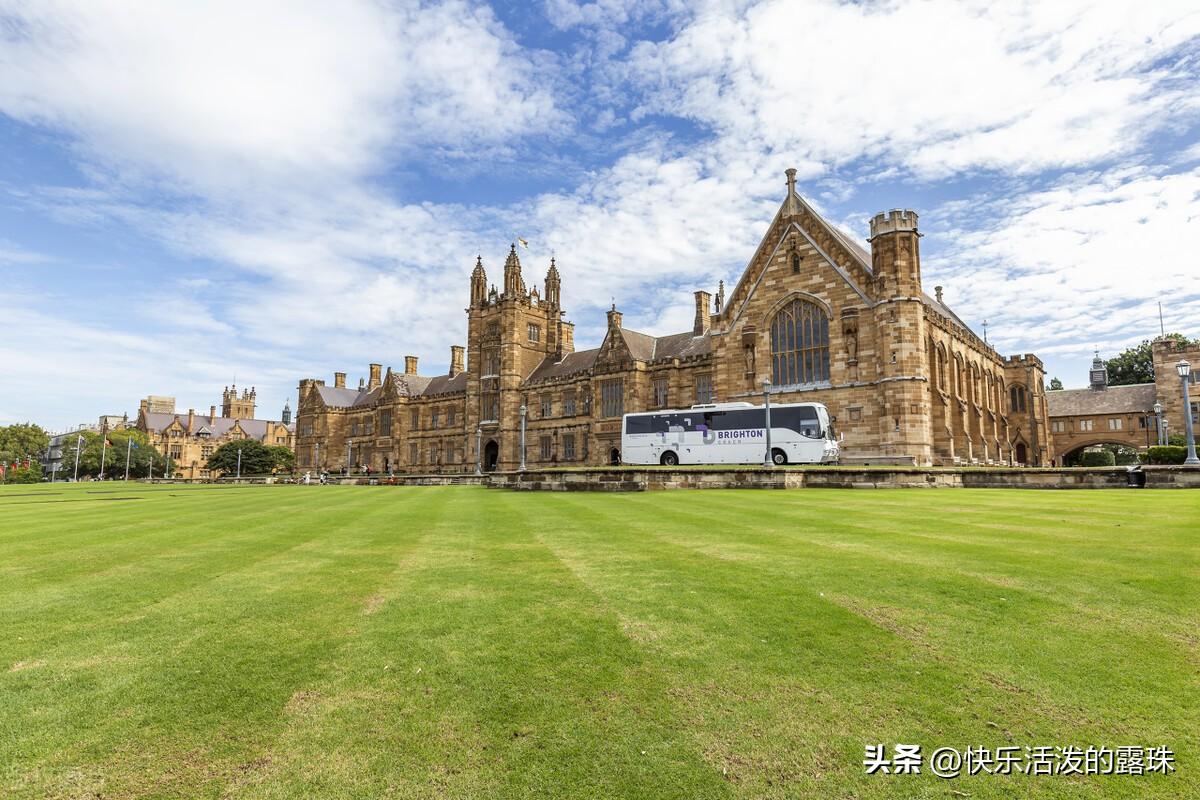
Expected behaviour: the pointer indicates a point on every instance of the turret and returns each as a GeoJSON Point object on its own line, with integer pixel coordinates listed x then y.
{"type": "Point", "coordinates": [514, 285]}
{"type": "Point", "coordinates": [478, 284]}
{"type": "Point", "coordinates": [553, 285]}
{"type": "Point", "coordinates": [456, 359]}
{"type": "Point", "coordinates": [286, 416]}
{"type": "Point", "coordinates": [895, 254]}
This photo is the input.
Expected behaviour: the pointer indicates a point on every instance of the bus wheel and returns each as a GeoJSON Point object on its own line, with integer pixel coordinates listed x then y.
{"type": "Point", "coordinates": [778, 456]}
{"type": "Point", "coordinates": [669, 459]}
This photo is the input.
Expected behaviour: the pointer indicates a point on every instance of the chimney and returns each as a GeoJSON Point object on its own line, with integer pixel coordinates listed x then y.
{"type": "Point", "coordinates": [456, 359]}
{"type": "Point", "coordinates": [339, 380]}
{"type": "Point", "coordinates": [362, 384]}
{"type": "Point", "coordinates": [191, 419]}
{"type": "Point", "coordinates": [212, 414]}
{"type": "Point", "coordinates": [700, 325]}
{"type": "Point", "coordinates": [410, 365]}
{"type": "Point", "coordinates": [937, 291]}
{"type": "Point", "coordinates": [614, 318]}
{"type": "Point", "coordinates": [376, 380]}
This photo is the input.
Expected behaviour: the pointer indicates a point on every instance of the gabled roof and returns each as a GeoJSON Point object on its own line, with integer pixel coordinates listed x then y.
{"type": "Point", "coordinates": [641, 346]}
{"type": "Point", "coordinates": [1135, 399]}
{"type": "Point", "coordinates": [157, 422]}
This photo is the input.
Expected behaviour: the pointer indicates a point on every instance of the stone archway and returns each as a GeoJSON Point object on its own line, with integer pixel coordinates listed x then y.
{"type": "Point", "coordinates": [614, 457]}
{"type": "Point", "coordinates": [1022, 456]}
{"type": "Point", "coordinates": [491, 455]}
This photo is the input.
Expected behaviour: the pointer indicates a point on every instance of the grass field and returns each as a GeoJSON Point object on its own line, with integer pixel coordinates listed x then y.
{"type": "Point", "coordinates": [378, 642]}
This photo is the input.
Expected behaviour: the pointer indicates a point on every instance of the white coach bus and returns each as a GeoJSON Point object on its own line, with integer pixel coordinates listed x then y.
{"type": "Point", "coordinates": [729, 433]}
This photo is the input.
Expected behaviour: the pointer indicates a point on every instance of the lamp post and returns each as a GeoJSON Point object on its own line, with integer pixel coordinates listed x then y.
{"type": "Point", "coordinates": [128, 450]}
{"type": "Point", "coordinates": [239, 466]}
{"type": "Point", "coordinates": [317, 456]}
{"type": "Point", "coordinates": [523, 411]}
{"type": "Point", "coordinates": [767, 460]}
{"type": "Point", "coordinates": [1158, 424]}
{"type": "Point", "coordinates": [1185, 369]}
{"type": "Point", "coordinates": [478, 452]}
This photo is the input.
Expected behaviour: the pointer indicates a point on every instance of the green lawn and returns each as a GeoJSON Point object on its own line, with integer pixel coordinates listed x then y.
{"type": "Point", "coordinates": [379, 642]}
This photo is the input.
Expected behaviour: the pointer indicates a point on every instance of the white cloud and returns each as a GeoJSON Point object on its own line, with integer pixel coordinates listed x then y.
{"type": "Point", "coordinates": [937, 87]}
{"type": "Point", "coordinates": [255, 97]}
{"type": "Point", "coordinates": [1082, 263]}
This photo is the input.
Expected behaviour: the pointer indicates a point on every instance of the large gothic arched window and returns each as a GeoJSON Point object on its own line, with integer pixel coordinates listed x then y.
{"type": "Point", "coordinates": [800, 344]}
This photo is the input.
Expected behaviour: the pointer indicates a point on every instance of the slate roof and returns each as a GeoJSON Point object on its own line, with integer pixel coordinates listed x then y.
{"type": "Point", "coordinates": [572, 363]}
{"type": "Point", "coordinates": [1135, 399]}
{"type": "Point", "coordinates": [444, 384]}
{"type": "Point", "coordinates": [254, 428]}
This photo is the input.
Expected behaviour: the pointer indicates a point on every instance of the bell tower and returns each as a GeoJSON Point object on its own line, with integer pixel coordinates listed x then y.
{"type": "Point", "coordinates": [234, 407]}
{"type": "Point", "coordinates": [902, 364]}
{"type": "Point", "coordinates": [509, 334]}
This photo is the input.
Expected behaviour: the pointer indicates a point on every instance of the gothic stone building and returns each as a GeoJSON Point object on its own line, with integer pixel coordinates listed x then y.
{"type": "Point", "coordinates": [189, 439]}
{"type": "Point", "coordinates": [1103, 414]}
{"type": "Point", "coordinates": [814, 313]}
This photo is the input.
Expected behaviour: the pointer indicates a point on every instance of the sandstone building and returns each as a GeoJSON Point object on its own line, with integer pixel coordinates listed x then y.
{"type": "Point", "coordinates": [1103, 414]}
{"type": "Point", "coordinates": [814, 312]}
{"type": "Point", "coordinates": [189, 439]}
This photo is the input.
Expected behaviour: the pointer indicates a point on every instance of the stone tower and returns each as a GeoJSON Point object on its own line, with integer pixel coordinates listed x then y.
{"type": "Point", "coordinates": [902, 366]}
{"type": "Point", "coordinates": [286, 416]}
{"type": "Point", "coordinates": [234, 407]}
{"type": "Point", "coordinates": [508, 335]}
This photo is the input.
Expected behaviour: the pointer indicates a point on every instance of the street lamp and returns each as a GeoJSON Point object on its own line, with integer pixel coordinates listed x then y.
{"type": "Point", "coordinates": [478, 452]}
{"type": "Point", "coordinates": [239, 466]}
{"type": "Point", "coordinates": [1158, 424]}
{"type": "Point", "coordinates": [523, 411]}
{"type": "Point", "coordinates": [1185, 369]}
{"type": "Point", "coordinates": [768, 461]}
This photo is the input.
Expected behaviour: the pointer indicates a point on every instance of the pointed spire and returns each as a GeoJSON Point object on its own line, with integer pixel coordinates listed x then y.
{"type": "Point", "coordinates": [553, 285]}
{"type": "Point", "coordinates": [513, 284]}
{"type": "Point", "coordinates": [478, 284]}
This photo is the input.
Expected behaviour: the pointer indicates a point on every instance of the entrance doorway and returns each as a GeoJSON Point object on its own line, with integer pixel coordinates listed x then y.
{"type": "Point", "coordinates": [1022, 453]}
{"type": "Point", "coordinates": [491, 455]}
{"type": "Point", "coordinates": [614, 457]}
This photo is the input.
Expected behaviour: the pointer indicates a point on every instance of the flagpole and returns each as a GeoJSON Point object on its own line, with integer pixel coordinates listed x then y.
{"type": "Point", "coordinates": [78, 442]}
{"type": "Point", "coordinates": [103, 451]}
{"type": "Point", "coordinates": [128, 449]}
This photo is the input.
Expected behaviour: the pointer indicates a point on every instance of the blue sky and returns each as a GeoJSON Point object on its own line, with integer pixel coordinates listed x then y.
{"type": "Point", "coordinates": [197, 193]}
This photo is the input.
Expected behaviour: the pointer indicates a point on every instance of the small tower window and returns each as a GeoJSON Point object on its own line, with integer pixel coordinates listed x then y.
{"type": "Point", "coordinates": [535, 333]}
{"type": "Point", "coordinates": [796, 263]}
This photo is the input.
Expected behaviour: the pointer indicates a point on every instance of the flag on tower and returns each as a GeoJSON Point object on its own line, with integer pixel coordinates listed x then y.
{"type": "Point", "coordinates": [523, 242]}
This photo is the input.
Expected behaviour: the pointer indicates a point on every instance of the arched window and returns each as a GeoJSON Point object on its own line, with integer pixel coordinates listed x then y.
{"type": "Point", "coordinates": [800, 344]}
{"type": "Point", "coordinates": [1016, 400]}
{"type": "Point", "coordinates": [795, 262]}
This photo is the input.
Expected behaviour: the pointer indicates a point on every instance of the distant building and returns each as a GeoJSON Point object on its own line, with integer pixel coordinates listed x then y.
{"type": "Point", "coordinates": [59, 458]}
{"type": "Point", "coordinates": [158, 404]}
{"type": "Point", "coordinates": [1124, 415]}
{"type": "Point", "coordinates": [187, 440]}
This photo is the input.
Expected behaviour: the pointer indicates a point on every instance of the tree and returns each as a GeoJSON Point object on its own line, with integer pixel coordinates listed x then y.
{"type": "Point", "coordinates": [141, 456]}
{"type": "Point", "coordinates": [1055, 384]}
{"type": "Point", "coordinates": [257, 458]}
{"type": "Point", "coordinates": [1136, 364]}
{"type": "Point", "coordinates": [21, 441]}
{"type": "Point", "coordinates": [23, 474]}
{"type": "Point", "coordinates": [284, 458]}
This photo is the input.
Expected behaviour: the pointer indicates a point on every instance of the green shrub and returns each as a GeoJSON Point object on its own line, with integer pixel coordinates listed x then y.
{"type": "Point", "coordinates": [1097, 458]}
{"type": "Point", "coordinates": [1166, 454]}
